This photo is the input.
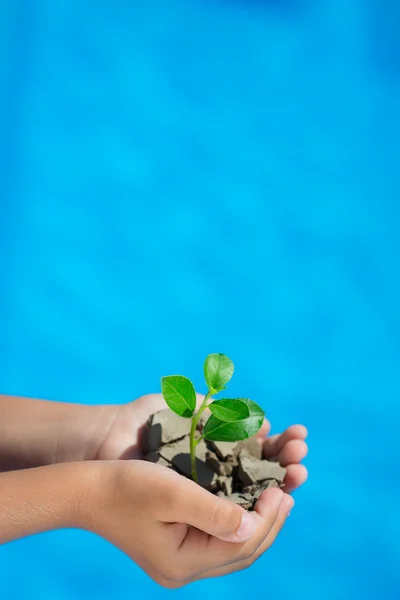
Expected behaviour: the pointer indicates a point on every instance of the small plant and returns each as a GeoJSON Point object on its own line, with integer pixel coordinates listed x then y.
{"type": "Point", "coordinates": [231, 419]}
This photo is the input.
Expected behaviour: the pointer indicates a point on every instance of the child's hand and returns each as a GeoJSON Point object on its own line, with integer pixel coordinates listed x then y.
{"type": "Point", "coordinates": [36, 432]}
{"type": "Point", "coordinates": [122, 438]}
{"type": "Point", "coordinates": [174, 529]}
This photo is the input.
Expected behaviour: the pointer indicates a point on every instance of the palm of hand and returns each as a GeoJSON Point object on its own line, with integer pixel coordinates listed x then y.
{"type": "Point", "coordinates": [124, 437]}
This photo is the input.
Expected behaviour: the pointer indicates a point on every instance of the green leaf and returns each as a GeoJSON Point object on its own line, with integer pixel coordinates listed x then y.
{"type": "Point", "coordinates": [254, 409]}
{"type": "Point", "coordinates": [179, 394]}
{"type": "Point", "coordinates": [218, 370]}
{"type": "Point", "coordinates": [230, 410]}
{"type": "Point", "coordinates": [221, 431]}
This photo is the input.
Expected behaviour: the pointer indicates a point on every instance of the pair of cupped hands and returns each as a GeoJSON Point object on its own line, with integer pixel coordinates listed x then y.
{"type": "Point", "coordinates": [170, 526]}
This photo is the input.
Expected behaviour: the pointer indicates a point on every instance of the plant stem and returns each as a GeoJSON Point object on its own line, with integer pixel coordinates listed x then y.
{"type": "Point", "coordinates": [193, 441]}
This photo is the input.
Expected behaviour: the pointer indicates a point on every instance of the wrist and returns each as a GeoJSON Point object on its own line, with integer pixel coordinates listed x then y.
{"type": "Point", "coordinates": [90, 482]}
{"type": "Point", "coordinates": [35, 432]}
{"type": "Point", "coordinates": [96, 485]}
{"type": "Point", "coordinates": [43, 499]}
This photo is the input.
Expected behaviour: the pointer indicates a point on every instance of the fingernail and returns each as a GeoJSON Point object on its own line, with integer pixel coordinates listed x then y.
{"type": "Point", "coordinates": [247, 527]}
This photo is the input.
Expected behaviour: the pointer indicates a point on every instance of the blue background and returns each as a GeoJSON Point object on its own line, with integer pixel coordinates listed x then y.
{"type": "Point", "coordinates": [192, 176]}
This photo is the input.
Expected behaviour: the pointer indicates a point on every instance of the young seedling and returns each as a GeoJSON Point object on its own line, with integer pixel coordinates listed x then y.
{"type": "Point", "coordinates": [231, 419]}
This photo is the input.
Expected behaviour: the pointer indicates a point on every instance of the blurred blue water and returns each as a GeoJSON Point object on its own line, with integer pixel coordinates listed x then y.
{"type": "Point", "coordinates": [182, 177]}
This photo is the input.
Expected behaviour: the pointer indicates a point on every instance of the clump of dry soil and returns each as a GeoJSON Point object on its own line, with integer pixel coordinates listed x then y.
{"type": "Point", "coordinates": [235, 470]}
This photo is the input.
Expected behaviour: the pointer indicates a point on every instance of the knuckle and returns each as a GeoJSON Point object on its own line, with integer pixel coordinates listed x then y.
{"type": "Point", "coordinates": [167, 509]}
{"type": "Point", "coordinates": [225, 517]}
{"type": "Point", "coordinates": [246, 563]}
{"type": "Point", "coordinates": [250, 561]}
{"type": "Point", "coordinates": [169, 584]}
{"type": "Point", "coordinates": [258, 554]}
{"type": "Point", "coordinates": [145, 398]}
{"type": "Point", "coordinates": [175, 574]}
{"type": "Point", "coordinates": [246, 554]}
{"type": "Point", "coordinates": [169, 497]}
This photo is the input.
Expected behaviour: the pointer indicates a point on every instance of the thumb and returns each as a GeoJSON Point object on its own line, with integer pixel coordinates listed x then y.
{"type": "Point", "coordinates": [216, 516]}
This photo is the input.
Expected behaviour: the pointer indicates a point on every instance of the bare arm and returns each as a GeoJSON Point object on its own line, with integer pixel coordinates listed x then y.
{"type": "Point", "coordinates": [41, 499]}
{"type": "Point", "coordinates": [37, 432]}
{"type": "Point", "coordinates": [174, 529]}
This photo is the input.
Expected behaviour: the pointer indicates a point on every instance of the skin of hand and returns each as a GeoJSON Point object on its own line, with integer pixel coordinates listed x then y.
{"type": "Point", "coordinates": [121, 438]}
{"type": "Point", "coordinates": [176, 531]}
{"type": "Point", "coordinates": [38, 432]}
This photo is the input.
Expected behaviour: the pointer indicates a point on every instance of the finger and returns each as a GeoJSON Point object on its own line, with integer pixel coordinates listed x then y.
{"type": "Point", "coordinates": [293, 452]}
{"type": "Point", "coordinates": [284, 509]}
{"type": "Point", "coordinates": [199, 552]}
{"type": "Point", "coordinates": [265, 429]}
{"type": "Point", "coordinates": [296, 475]}
{"type": "Point", "coordinates": [262, 508]}
{"type": "Point", "coordinates": [273, 445]}
{"type": "Point", "coordinates": [211, 514]}
{"type": "Point", "coordinates": [229, 553]}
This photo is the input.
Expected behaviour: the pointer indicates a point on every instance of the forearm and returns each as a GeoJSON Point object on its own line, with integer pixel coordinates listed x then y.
{"type": "Point", "coordinates": [38, 432]}
{"type": "Point", "coordinates": [37, 500]}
